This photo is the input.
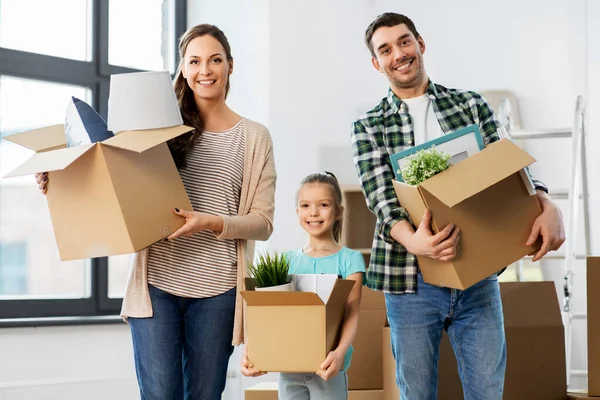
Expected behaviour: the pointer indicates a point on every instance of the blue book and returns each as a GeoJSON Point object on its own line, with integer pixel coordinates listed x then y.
{"type": "Point", "coordinates": [460, 144]}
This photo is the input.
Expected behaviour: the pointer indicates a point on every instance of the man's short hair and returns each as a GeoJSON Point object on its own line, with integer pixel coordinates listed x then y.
{"type": "Point", "coordinates": [388, 19]}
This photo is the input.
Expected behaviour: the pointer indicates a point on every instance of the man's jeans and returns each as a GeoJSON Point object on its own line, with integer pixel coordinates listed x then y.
{"type": "Point", "coordinates": [182, 352]}
{"type": "Point", "coordinates": [475, 325]}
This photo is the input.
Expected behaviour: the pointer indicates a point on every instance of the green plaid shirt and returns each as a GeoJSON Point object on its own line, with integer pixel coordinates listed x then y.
{"type": "Point", "coordinates": [388, 129]}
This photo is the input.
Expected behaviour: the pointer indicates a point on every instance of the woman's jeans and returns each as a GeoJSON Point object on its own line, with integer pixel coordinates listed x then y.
{"type": "Point", "coordinates": [475, 325]}
{"type": "Point", "coordinates": [182, 352]}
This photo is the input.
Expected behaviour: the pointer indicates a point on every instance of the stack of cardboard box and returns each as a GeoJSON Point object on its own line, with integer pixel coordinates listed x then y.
{"type": "Point", "coordinates": [593, 332]}
{"type": "Point", "coordinates": [365, 376]}
{"type": "Point", "coordinates": [535, 348]}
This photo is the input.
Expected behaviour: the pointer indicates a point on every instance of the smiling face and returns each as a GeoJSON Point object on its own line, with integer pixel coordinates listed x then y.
{"type": "Point", "coordinates": [206, 68]}
{"type": "Point", "coordinates": [399, 56]}
{"type": "Point", "coordinates": [317, 209]}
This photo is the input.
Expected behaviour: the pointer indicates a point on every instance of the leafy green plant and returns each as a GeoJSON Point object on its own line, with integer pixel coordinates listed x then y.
{"type": "Point", "coordinates": [424, 164]}
{"type": "Point", "coordinates": [270, 270]}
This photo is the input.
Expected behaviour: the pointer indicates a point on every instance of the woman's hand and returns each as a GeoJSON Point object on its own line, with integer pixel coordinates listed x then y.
{"type": "Point", "coordinates": [332, 364]}
{"type": "Point", "coordinates": [246, 368]}
{"type": "Point", "coordinates": [42, 181]}
{"type": "Point", "coordinates": [195, 222]}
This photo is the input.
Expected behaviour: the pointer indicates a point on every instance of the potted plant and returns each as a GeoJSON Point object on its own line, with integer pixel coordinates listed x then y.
{"type": "Point", "coordinates": [270, 273]}
{"type": "Point", "coordinates": [423, 165]}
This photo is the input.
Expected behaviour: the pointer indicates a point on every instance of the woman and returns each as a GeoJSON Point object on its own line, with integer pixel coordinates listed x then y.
{"type": "Point", "coordinates": [182, 300]}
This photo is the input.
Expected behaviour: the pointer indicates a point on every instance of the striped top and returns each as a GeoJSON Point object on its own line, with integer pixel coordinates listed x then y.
{"type": "Point", "coordinates": [202, 265]}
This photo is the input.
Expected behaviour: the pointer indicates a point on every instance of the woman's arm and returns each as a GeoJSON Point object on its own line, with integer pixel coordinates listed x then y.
{"type": "Point", "coordinates": [335, 358]}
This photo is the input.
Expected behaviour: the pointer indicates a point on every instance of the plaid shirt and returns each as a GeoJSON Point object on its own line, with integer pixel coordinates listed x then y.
{"type": "Point", "coordinates": [388, 129]}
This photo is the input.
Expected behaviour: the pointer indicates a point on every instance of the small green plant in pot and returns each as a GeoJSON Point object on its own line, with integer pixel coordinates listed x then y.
{"type": "Point", "coordinates": [270, 273]}
{"type": "Point", "coordinates": [423, 165]}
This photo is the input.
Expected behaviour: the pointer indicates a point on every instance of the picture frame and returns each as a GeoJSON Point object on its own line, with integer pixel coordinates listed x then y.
{"type": "Point", "coordinates": [459, 144]}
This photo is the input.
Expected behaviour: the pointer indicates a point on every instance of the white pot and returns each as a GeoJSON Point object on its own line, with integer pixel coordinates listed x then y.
{"type": "Point", "coordinates": [287, 287]}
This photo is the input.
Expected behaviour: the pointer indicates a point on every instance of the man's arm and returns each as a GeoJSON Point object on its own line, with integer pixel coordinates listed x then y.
{"type": "Point", "coordinates": [375, 177]}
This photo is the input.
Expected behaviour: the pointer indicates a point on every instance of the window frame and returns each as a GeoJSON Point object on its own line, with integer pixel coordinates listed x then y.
{"type": "Point", "coordinates": [95, 75]}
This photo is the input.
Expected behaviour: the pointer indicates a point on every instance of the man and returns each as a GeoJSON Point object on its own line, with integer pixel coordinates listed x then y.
{"type": "Point", "coordinates": [417, 110]}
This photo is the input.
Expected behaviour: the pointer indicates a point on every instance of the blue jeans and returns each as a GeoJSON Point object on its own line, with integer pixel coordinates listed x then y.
{"type": "Point", "coordinates": [475, 325]}
{"type": "Point", "coordinates": [182, 352]}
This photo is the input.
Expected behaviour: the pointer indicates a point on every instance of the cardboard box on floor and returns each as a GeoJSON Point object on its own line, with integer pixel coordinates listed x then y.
{"type": "Point", "coordinates": [261, 391]}
{"type": "Point", "coordinates": [593, 325]}
{"type": "Point", "coordinates": [535, 348]}
{"type": "Point", "coordinates": [580, 396]}
{"type": "Point", "coordinates": [487, 197]}
{"type": "Point", "coordinates": [366, 367]}
{"type": "Point", "coordinates": [116, 196]}
{"type": "Point", "coordinates": [293, 331]}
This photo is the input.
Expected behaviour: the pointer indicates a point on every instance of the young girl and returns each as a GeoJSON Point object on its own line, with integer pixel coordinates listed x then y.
{"type": "Point", "coordinates": [319, 209]}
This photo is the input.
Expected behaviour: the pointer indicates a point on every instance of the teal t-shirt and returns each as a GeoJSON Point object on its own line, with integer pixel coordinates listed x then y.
{"type": "Point", "coordinates": [343, 263]}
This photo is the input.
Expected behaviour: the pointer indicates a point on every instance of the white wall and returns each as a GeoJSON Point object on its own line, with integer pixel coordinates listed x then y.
{"type": "Point", "coordinates": [302, 69]}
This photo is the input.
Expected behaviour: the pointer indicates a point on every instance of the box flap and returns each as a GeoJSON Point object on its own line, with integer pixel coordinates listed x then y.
{"type": "Point", "coordinates": [254, 298]}
{"type": "Point", "coordinates": [478, 172]}
{"type": "Point", "coordinates": [341, 290]}
{"type": "Point", "coordinates": [140, 141]}
{"type": "Point", "coordinates": [42, 139]}
{"type": "Point", "coordinates": [50, 161]}
{"type": "Point", "coordinates": [410, 199]}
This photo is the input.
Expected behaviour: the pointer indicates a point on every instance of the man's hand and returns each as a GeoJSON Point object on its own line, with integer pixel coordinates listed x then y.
{"type": "Point", "coordinates": [549, 225]}
{"type": "Point", "coordinates": [422, 242]}
{"type": "Point", "coordinates": [331, 366]}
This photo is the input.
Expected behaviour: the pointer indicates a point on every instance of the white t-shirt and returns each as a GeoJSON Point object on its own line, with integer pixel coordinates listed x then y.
{"type": "Point", "coordinates": [425, 124]}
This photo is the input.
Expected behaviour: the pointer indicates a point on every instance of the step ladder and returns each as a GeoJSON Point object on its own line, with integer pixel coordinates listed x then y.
{"type": "Point", "coordinates": [577, 191]}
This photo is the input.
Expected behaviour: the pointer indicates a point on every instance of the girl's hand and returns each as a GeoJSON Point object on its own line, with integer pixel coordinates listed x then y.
{"type": "Point", "coordinates": [332, 364]}
{"type": "Point", "coordinates": [42, 181]}
{"type": "Point", "coordinates": [195, 222]}
{"type": "Point", "coordinates": [246, 368]}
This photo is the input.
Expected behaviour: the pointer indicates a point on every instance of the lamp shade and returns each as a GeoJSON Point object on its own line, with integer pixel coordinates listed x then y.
{"type": "Point", "coordinates": [142, 100]}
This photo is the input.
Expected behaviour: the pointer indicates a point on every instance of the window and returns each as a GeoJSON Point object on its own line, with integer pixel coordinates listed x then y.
{"type": "Point", "coordinates": [44, 61]}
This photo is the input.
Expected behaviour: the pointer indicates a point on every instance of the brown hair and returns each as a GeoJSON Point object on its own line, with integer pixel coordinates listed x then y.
{"type": "Point", "coordinates": [388, 19]}
{"type": "Point", "coordinates": [181, 145]}
{"type": "Point", "coordinates": [328, 178]}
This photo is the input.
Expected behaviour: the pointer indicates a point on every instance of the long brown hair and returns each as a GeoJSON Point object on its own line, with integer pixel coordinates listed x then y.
{"type": "Point", "coordinates": [328, 178]}
{"type": "Point", "coordinates": [181, 145]}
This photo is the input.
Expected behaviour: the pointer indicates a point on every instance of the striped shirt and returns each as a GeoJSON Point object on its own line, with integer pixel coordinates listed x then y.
{"type": "Point", "coordinates": [388, 129]}
{"type": "Point", "coordinates": [202, 265]}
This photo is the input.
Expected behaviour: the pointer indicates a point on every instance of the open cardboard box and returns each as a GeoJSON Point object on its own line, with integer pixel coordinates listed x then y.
{"type": "Point", "coordinates": [293, 331]}
{"type": "Point", "coordinates": [535, 343]}
{"type": "Point", "coordinates": [116, 196]}
{"type": "Point", "coordinates": [490, 199]}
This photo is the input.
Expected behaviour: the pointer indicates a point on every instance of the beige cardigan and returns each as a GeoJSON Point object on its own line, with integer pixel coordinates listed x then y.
{"type": "Point", "coordinates": [253, 222]}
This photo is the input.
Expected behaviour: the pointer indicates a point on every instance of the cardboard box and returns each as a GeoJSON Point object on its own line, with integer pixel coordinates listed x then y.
{"type": "Point", "coordinates": [366, 368]}
{"type": "Point", "coordinates": [261, 391]}
{"type": "Point", "coordinates": [293, 331]}
{"type": "Point", "coordinates": [580, 396]}
{"type": "Point", "coordinates": [116, 196]}
{"type": "Point", "coordinates": [485, 196]}
{"type": "Point", "coordinates": [365, 394]}
{"type": "Point", "coordinates": [535, 348]}
{"type": "Point", "coordinates": [593, 325]}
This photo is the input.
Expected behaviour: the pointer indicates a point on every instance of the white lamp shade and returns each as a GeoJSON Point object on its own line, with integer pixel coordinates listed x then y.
{"type": "Point", "coordinates": [142, 100]}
